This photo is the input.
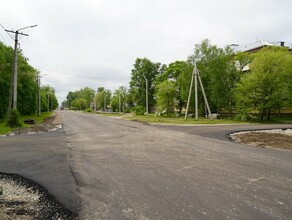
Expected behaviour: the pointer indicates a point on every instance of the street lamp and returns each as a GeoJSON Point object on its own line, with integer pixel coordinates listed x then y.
{"type": "Point", "coordinates": [13, 85]}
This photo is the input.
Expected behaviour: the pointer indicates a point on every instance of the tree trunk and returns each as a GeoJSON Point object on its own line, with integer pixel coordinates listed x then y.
{"type": "Point", "coordinates": [269, 114]}
{"type": "Point", "coordinates": [262, 115]}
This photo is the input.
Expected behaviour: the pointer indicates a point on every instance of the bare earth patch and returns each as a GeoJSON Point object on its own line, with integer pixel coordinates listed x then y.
{"type": "Point", "coordinates": [45, 126]}
{"type": "Point", "coordinates": [264, 139]}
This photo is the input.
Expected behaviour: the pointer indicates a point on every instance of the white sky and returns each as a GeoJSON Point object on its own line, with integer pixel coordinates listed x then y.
{"type": "Point", "coordinates": [97, 41]}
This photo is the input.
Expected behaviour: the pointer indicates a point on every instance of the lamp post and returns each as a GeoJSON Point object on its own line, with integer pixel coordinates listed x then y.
{"type": "Point", "coordinates": [13, 85]}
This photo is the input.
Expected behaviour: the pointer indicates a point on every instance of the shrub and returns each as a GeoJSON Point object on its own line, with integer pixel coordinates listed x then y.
{"type": "Point", "coordinates": [13, 119]}
{"type": "Point", "coordinates": [88, 110]}
{"type": "Point", "coordinates": [138, 110]}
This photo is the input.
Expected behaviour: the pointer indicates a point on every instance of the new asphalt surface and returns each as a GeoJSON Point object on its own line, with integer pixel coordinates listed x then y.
{"type": "Point", "coordinates": [106, 168]}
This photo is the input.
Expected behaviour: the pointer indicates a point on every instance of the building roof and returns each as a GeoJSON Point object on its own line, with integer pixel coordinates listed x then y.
{"type": "Point", "coordinates": [253, 47]}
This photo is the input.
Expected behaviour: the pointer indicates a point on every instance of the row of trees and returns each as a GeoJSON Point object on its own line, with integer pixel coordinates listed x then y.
{"type": "Point", "coordinates": [266, 87]}
{"type": "Point", "coordinates": [27, 88]}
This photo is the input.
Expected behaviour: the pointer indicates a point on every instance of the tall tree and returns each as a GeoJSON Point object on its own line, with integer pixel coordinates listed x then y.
{"type": "Point", "coordinates": [218, 73]}
{"type": "Point", "coordinates": [26, 83]}
{"type": "Point", "coordinates": [119, 99]}
{"type": "Point", "coordinates": [180, 73]}
{"type": "Point", "coordinates": [102, 98]}
{"type": "Point", "coordinates": [268, 86]}
{"type": "Point", "coordinates": [165, 93]}
{"type": "Point", "coordinates": [144, 70]}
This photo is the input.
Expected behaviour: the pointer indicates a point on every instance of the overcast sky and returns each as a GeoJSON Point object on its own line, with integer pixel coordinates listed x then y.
{"type": "Point", "coordinates": [94, 43]}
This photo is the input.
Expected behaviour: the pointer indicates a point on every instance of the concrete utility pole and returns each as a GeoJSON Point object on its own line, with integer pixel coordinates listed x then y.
{"type": "Point", "coordinates": [189, 97]}
{"type": "Point", "coordinates": [94, 102]}
{"type": "Point", "coordinates": [49, 100]}
{"type": "Point", "coordinates": [104, 103]}
{"type": "Point", "coordinates": [13, 85]}
{"type": "Point", "coordinates": [39, 93]}
{"type": "Point", "coordinates": [120, 101]}
{"type": "Point", "coordinates": [196, 93]}
{"type": "Point", "coordinates": [147, 97]}
{"type": "Point", "coordinates": [196, 75]}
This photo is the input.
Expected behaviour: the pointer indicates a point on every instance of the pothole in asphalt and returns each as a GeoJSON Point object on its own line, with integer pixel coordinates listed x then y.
{"type": "Point", "coordinates": [277, 138]}
{"type": "Point", "coordinates": [21, 198]}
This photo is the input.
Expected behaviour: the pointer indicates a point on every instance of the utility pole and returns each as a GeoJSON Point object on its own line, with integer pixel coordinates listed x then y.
{"type": "Point", "coordinates": [189, 97]}
{"type": "Point", "coordinates": [146, 96]}
{"type": "Point", "coordinates": [49, 100]}
{"type": "Point", "coordinates": [13, 85]}
{"type": "Point", "coordinates": [196, 93]}
{"type": "Point", "coordinates": [37, 97]}
{"type": "Point", "coordinates": [104, 105]}
{"type": "Point", "coordinates": [94, 102]}
{"type": "Point", "coordinates": [195, 76]}
{"type": "Point", "coordinates": [39, 85]}
{"type": "Point", "coordinates": [39, 93]}
{"type": "Point", "coordinates": [120, 101]}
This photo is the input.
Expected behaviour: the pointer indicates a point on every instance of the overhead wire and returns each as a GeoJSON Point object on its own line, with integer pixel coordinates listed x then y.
{"type": "Point", "coordinates": [6, 31]}
{"type": "Point", "coordinates": [70, 74]}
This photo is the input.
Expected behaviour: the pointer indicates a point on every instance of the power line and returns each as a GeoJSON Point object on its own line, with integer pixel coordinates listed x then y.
{"type": "Point", "coordinates": [70, 74]}
{"type": "Point", "coordinates": [6, 31]}
{"type": "Point", "coordinates": [3, 38]}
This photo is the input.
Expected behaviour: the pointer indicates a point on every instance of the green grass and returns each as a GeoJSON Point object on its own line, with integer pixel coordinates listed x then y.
{"type": "Point", "coordinates": [39, 119]}
{"type": "Point", "coordinates": [180, 120]}
{"type": "Point", "coordinates": [274, 120]}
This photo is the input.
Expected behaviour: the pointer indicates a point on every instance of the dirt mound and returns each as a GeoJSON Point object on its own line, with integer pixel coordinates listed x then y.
{"type": "Point", "coordinates": [45, 126]}
{"type": "Point", "coordinates": [264, 139]}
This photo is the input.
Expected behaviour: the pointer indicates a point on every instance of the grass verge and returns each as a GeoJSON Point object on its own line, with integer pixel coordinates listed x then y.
{"type": "Point", "coordinates": [180, 120]}
{"type": "Point", "coordinates": [38, 119]}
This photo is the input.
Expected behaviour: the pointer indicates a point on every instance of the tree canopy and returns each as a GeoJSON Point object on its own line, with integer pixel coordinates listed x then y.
{"type": "Point", "coordinates": [27, 89]}
{"type": "Point", "coordinates": [268, 85]}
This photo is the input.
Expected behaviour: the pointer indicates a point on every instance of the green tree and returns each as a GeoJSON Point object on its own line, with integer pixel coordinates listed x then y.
{"type": "Point", "coordinates": [180, 73]}
{"type": "Point", "coordinates": [48, 98]}
{"type": "Point", "coordinates": [79, 104]}
{"type": "Point", "coordinates": [26, 84]}
{"type": "Point", "coordinates": [165, 93]}
{"type": "Point", "coordinates": [119, 98]}
{"type": "Point", "coordinates": [268, 86]}
{"type": "Point", "coordinates": [218, 72]}
{"type": "Point", "coordinates": [102, 98]}
{"type": "Point", "coordinates": [87, 94]}
{"type": "Point", "coordinates": [144, 69]}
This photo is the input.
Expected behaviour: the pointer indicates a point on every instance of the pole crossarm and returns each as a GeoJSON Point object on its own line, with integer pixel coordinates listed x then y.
{"type": "Point", "coordinates": [14, 32]}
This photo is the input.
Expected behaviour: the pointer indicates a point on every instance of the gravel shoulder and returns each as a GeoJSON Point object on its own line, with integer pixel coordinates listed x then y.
{"type": "Point", "coordinates": [21, 198]}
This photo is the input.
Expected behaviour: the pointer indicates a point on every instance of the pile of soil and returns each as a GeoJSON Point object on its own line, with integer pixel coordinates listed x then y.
{"type": "Point", "coordinates": [45, 126]}
{"type": "Point", "coordinates": [264, 139]}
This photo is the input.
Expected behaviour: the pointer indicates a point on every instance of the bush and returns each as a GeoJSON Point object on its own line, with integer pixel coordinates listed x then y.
{"type": "Point", "coordinates": [88, 110]}
{"type": "Point", "coordinates": [13, 119]}
{"type": "Point", "coordinates": [138, 110]}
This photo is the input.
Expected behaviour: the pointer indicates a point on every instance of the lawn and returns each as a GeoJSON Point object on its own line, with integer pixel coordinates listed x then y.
{"type": "Point", "coordinates": [39, 119]}
{"type": "Point", "coordinates": [180, 120]}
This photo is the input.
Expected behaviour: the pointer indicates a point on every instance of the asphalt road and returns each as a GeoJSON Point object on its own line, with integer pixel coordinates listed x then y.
{"type": "Point", "coordinates": [127, 170]}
